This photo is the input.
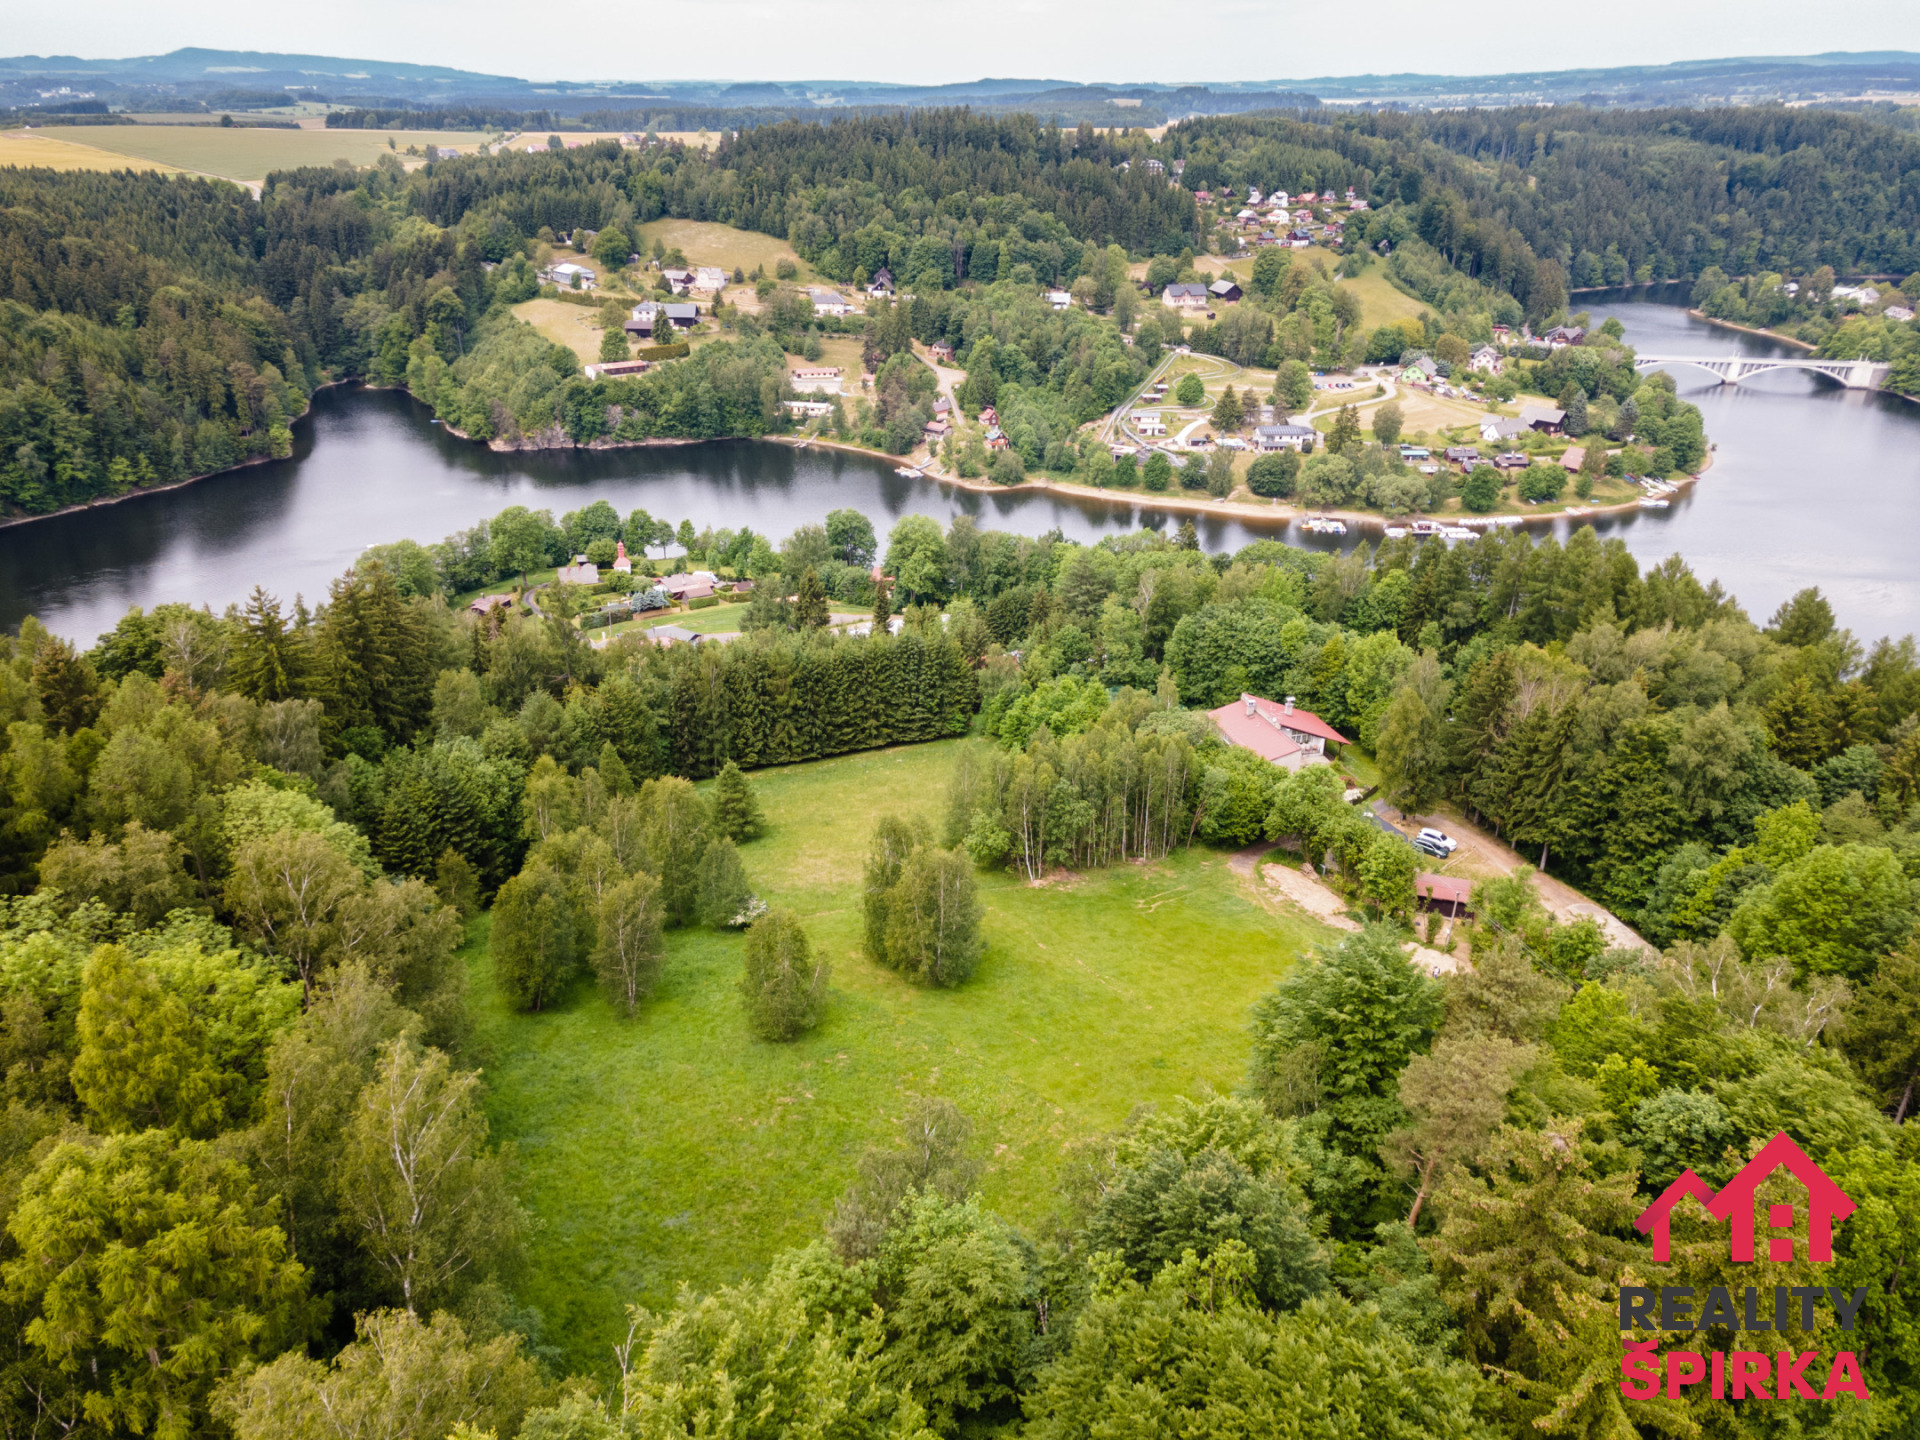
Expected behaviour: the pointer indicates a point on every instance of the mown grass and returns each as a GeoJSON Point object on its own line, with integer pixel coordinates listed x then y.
{"type": "Point", "coordinates": [1381, 301]}
{"type": "Point", "coordinates": [675, 1148]}
{"type": "Point", "coordinates": [705, 242]}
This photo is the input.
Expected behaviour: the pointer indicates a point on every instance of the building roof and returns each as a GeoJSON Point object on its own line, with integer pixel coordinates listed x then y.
{"type": "Point", "coordinates": [1221, 287]}
{"type": "Point", "coordinates": [1447, 889]}
{"type": "Point", "coordinates": [1541, 414]}
{"type": "Point", "coordinates": [1262, 726]}
{"type": "Point", "coordinates": [1284, 432]}
{"type": "Point", "coordinates": [827, 297]}
{"type": "Point", "coordinates": [1194, 289]}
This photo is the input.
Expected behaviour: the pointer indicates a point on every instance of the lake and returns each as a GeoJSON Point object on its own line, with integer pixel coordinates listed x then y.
{"type": "Point", "coordinates": [1810, 485]}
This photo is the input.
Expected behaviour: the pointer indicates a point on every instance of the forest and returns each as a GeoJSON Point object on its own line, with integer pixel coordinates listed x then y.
{"type": "Point", "coordinates": [250, 1187]}
{"type": "Point", "coordinates": [155, 329]}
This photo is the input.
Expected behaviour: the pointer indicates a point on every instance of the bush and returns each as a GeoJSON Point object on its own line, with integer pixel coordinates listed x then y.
{"type": "Point", "coordinates": [1190, 390]}
{"type": "Point", "coordinates": [1542, 481]}
{"type": "Point", "coordinates": [703, 602]}
{"type": "Point", "coordinates": [727, 900]}
{"type": "Point", "coordinates": [1158, 473]}
{"type": "Point", "coordinates": [671, 351]}
{"type": "Point", "coordinates": [1274, 475]}
{"type": "Point", "coordinates": [784, 987]}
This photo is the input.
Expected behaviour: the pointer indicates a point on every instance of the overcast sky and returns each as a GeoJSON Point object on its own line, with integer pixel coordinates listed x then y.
{"type": "Point", "coordinates": [933, 41]}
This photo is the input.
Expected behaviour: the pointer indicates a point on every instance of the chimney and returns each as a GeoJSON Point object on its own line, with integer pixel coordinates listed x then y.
{"type": "Point", "coordinates": [1288, 710]}
{"type": "Point", "coordinates": [1249, 699]}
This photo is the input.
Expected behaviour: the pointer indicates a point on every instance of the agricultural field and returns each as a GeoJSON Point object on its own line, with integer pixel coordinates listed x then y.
{"type": "Point", "coordinates": [673, 1147]}
{"type": "Point", "coordinates": [250, 155]}
{"type": "Point", "coordinates": [28, 148]}
{"type": "Point", "coordinates": [705, 243]}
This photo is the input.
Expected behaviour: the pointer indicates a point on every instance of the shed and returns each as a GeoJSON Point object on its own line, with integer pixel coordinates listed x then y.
{"type": "Point", "coordinates": [1450, 895]}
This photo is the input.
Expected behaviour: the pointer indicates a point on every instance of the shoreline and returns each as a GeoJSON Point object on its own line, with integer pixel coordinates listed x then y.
{"type": "Point", "coordinates": [1282, 516]}
{"type": "Point", "coordinates": [1755, 330]}
{"type": "Point", "coordinates": [80, 506]}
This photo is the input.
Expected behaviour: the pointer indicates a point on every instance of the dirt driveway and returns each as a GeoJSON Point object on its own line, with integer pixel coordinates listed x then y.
{"type": "Point", "coordinates": [1482, 857]}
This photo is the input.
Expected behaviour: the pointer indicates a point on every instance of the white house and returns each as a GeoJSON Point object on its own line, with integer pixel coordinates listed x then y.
{"type": "Point", "coordinates": [816, 378]}
{"type": "Point", "coordinates": [1185, 297]}
{"type": "Point", "coordinates": [830, 302]}
{"type": "Point", "coordinates": [710, 278]}
{"type": "Point", "coordinates": [1488, 360]}
{"type": "Point", "coordinates": [1268, 438]}
{"type": "Point", "coordinates": [1148, 422]}
{"type": "Point", "coordinates": [1059, 299]}
{"type": "Point", "coordinates": [1496, 429]}
{"type": "Point", "coordinates": [811, 409]}
{"type": "Point", "coordinates": [569, 276]}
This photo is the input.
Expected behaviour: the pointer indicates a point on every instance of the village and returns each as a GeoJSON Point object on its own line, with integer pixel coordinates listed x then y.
{"type": "Point", "coordinates": [1467, 443]}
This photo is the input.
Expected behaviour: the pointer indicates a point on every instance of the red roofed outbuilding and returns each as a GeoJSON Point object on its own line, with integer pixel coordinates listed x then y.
{"type": "Point", "coordinates": [1285, 735]}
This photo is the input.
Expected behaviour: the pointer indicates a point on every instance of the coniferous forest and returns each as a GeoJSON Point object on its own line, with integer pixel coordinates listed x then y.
{"type": "Point", "coordinates": [250, 1181]}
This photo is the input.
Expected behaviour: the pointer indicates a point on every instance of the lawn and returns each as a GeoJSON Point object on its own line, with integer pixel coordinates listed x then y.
{"type": "Point", "coordinates": [714, 620]}
{"type": "Point", "coordinates": [1381, 301]}
{"type": "Point", "coordinates": [706, 243]}
{"type": "Point", "coordinates": [36, 148]}
{"type": "Point", "coordinates": [675, 1148]}
{"type": "Point", "coordinates": [575, 326]}
{"type": "Point", "coordinates": [243, 154]}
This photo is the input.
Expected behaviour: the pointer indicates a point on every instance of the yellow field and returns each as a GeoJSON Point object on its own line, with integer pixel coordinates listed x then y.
{"type": "Point", "coordinates": [243, 154]}
{"type": "Point", "coordinates": [575, 326]}
{"type": "Point", "coordinates": [36, 148]}
{"type": "Point", "coordinates": [704, 243]}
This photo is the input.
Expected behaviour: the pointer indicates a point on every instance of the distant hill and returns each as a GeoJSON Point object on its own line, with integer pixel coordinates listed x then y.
{"type": "Point", "coordinates": [202, 78]}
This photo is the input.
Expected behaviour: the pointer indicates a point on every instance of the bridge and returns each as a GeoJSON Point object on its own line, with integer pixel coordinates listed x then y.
{"type": "Point", "coordinates": [1854, 374]}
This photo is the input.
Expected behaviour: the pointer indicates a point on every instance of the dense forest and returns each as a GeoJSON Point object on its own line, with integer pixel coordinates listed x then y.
{"type": "Point", "coordinates": [154, 329]}
{"type": "Point", "coordinates": [250, 1189]}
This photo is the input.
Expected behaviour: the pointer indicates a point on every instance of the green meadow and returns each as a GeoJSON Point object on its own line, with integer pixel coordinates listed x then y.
{"type": "Point", "coordinates": [676, 1149]}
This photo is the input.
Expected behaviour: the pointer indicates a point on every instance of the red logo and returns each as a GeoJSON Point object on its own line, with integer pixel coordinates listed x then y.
{"type": "Point", "coordinates": [1826, 1203]}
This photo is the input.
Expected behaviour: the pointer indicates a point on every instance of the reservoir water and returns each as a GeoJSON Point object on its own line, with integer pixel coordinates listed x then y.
{"type": "Point", "coordinates": [1810, 485]}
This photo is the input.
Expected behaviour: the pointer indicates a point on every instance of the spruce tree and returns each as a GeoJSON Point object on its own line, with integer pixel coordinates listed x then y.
{"type": "Point", "coordinates": [810, 604]}
{"type": "Point", "coordinates": [1345, 433]}
{"type": "Point", "coordinates": [613, 771]}
{"type": "Point", "coordinates": [736, 810]}
{"type": "Point", "coordinates": [726, 896]}
{"type": "Point", "coordinates": [882, 605]}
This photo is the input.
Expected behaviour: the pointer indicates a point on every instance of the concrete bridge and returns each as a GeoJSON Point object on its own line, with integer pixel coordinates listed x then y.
{"type": "Point", "coordinates": [1854, 374]}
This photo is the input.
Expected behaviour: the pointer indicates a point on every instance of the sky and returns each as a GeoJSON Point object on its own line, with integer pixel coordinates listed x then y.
{"type": "Point", "coordinates": [938, 41]}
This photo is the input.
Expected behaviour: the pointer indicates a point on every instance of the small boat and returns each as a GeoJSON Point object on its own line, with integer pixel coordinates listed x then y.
{"type": "Point", "coordinates": [907, 472]}
{"type": "Point", "coordinates": [1458, 532]}
{"type": "Point", "coordinates": [1578, 510]}
{"type": "Point", "coordinates": [1426, 527]}
{"type": "Point", "coordinates": [1396, 532]}
{"type": "Point", "coordinates": [1655, 504]}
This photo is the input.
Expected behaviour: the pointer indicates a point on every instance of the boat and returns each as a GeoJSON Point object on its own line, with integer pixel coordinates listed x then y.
{"type": "Point", "coordinates": [1458, 532]}
{"type": "Point", "coordinates": [1426, 527]}
{"type": "Point", "coordinates": [1655, 504]}
{"type": "Point", "coordinates": [907, 472]}
{"type": "Point", "coordinates": [1578, 510]}
{"type": "Point", "coordinates": [1396, 532]}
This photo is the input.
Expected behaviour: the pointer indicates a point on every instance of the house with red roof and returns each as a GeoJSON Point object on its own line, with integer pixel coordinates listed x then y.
{"type": "Point", "coordinates": [1284, 735]}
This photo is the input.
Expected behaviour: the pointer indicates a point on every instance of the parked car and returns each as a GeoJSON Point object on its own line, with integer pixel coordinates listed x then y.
{"type": "Point", "coordinates": [1435, 842]}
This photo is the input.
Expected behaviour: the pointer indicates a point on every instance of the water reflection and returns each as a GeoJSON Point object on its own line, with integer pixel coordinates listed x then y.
{"type": "Point", "coordinates": [1810, 485]}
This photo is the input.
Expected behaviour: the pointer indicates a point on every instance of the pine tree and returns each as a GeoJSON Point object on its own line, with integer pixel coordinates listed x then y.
{"type": "Point", "coordinates": [736, 810]}
{"type": "Point", "coordinates": [810, 603]}
{"type": "Point", "coordinates": [65, 684]}
{"type": "Point", "coordinates": [882, 605]}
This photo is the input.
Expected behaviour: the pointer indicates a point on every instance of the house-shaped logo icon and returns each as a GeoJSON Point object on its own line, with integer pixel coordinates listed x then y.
{"type": "Point", "coordinates": [1826, 1203]}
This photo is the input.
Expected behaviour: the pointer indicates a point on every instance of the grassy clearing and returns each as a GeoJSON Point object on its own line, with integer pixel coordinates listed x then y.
{"type": "Point", "coordinates": [28, 148]}
{"type": "Point", "coordinates": [1380, 301]}
{"type": "Point", "coordinates": [715, 620]}
{"type": "Point", "coordinates": [705, 243]}
{"type": "Point", "coordinates": [675, 1148]}
{"type": "Point", "coordinates": [243, 154]}
{"type": "Point", "coordinates": [575, 326]}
